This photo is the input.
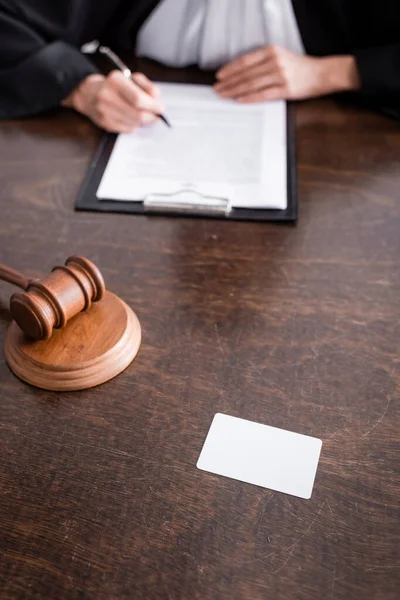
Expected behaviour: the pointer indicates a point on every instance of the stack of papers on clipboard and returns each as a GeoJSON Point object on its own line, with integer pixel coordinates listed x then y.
{"type": "Point", "coordinates": [218, 155]}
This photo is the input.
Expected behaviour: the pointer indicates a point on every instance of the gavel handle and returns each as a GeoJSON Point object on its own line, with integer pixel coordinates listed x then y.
{"type": "Point", "coordinates": [14, 277]}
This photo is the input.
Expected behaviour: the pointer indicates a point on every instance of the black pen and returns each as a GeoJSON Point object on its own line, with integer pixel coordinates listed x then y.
{"type": "Point", "coordinates": [127, 73]}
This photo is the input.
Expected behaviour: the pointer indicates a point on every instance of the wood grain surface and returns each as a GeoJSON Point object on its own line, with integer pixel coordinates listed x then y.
{"type": "Point", "coordinates": [294, 327]}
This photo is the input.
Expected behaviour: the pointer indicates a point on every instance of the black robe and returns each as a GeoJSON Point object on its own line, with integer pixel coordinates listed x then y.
{"type": "Point", "coordinates": [40, 60]}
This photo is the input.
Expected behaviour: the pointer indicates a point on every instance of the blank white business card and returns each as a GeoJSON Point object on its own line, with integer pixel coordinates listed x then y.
{"type": "Point", "coordinates": [266, 456]}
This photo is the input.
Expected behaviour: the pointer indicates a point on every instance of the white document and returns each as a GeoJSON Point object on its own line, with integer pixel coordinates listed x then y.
{"type": "Point", "coordinates": [215, 148]}
{"type": "Point", "coordinates": [266, 456]}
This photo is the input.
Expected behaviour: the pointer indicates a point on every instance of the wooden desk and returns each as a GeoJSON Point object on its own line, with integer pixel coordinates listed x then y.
{"type": "Point", "coordinates": [295, 327]}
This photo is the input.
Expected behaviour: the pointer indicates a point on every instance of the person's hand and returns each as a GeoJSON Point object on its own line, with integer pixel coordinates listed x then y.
{"type": "Point", "coordinates": [274, 73]}
{"type": "Point", "coordinates": [115, 103]}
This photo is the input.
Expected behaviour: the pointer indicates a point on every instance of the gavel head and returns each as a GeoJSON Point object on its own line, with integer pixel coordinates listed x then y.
{"type": "Point", "coordinates": [50, 303]}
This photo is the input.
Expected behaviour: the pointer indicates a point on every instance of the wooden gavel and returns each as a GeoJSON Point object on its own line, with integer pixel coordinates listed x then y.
{"type": "Point", "coordinates": [50, 303]}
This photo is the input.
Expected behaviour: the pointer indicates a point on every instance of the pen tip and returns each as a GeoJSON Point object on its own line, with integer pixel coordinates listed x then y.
{"type": "Point", "coordinates": [168, 124]}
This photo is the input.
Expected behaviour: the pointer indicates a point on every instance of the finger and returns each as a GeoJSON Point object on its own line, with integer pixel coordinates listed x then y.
{"type": "Point", "coordinates": [255, 81]}
{"type": "Point", "coordinates": [249, 87]}
{"type": "Point", "coordinates": [111, 105]}
{"type": "Point", "coordinates": [116, 125]}
{"type": "Point", "coordinates": [125, 126]}
{"type": "Point", "coordinates": [108, 115]}
{"type": "Point", "coordinates": [110, 100]}
{"type": "Point", "coordinates": [146, 118]}
{"type": "Point", "coordinates": [147, 85]}
{"type": "Point", "coordinates": [262, 68]}
{"type": "Point", "coordinates": [247, 61]}
{"type": "Point", "coordinates": [271, 93]}
{"type": "Point", "coordinates": [133, 94]}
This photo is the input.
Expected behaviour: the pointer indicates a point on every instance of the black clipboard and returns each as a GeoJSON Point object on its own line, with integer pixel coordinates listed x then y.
{"type": "Point", "coordinates": [88, 201]}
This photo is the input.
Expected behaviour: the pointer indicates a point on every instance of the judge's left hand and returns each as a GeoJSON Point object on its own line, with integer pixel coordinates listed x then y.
{"type": "Point", "coordinates": [273, 73]}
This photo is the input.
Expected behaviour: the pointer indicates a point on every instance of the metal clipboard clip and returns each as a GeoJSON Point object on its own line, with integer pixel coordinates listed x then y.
{"type": "Point", "coordinates": [187, 200]}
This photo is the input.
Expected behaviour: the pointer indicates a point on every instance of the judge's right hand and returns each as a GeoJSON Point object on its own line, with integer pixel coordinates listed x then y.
{"type": "Point", "coordinates": [115, 103]}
